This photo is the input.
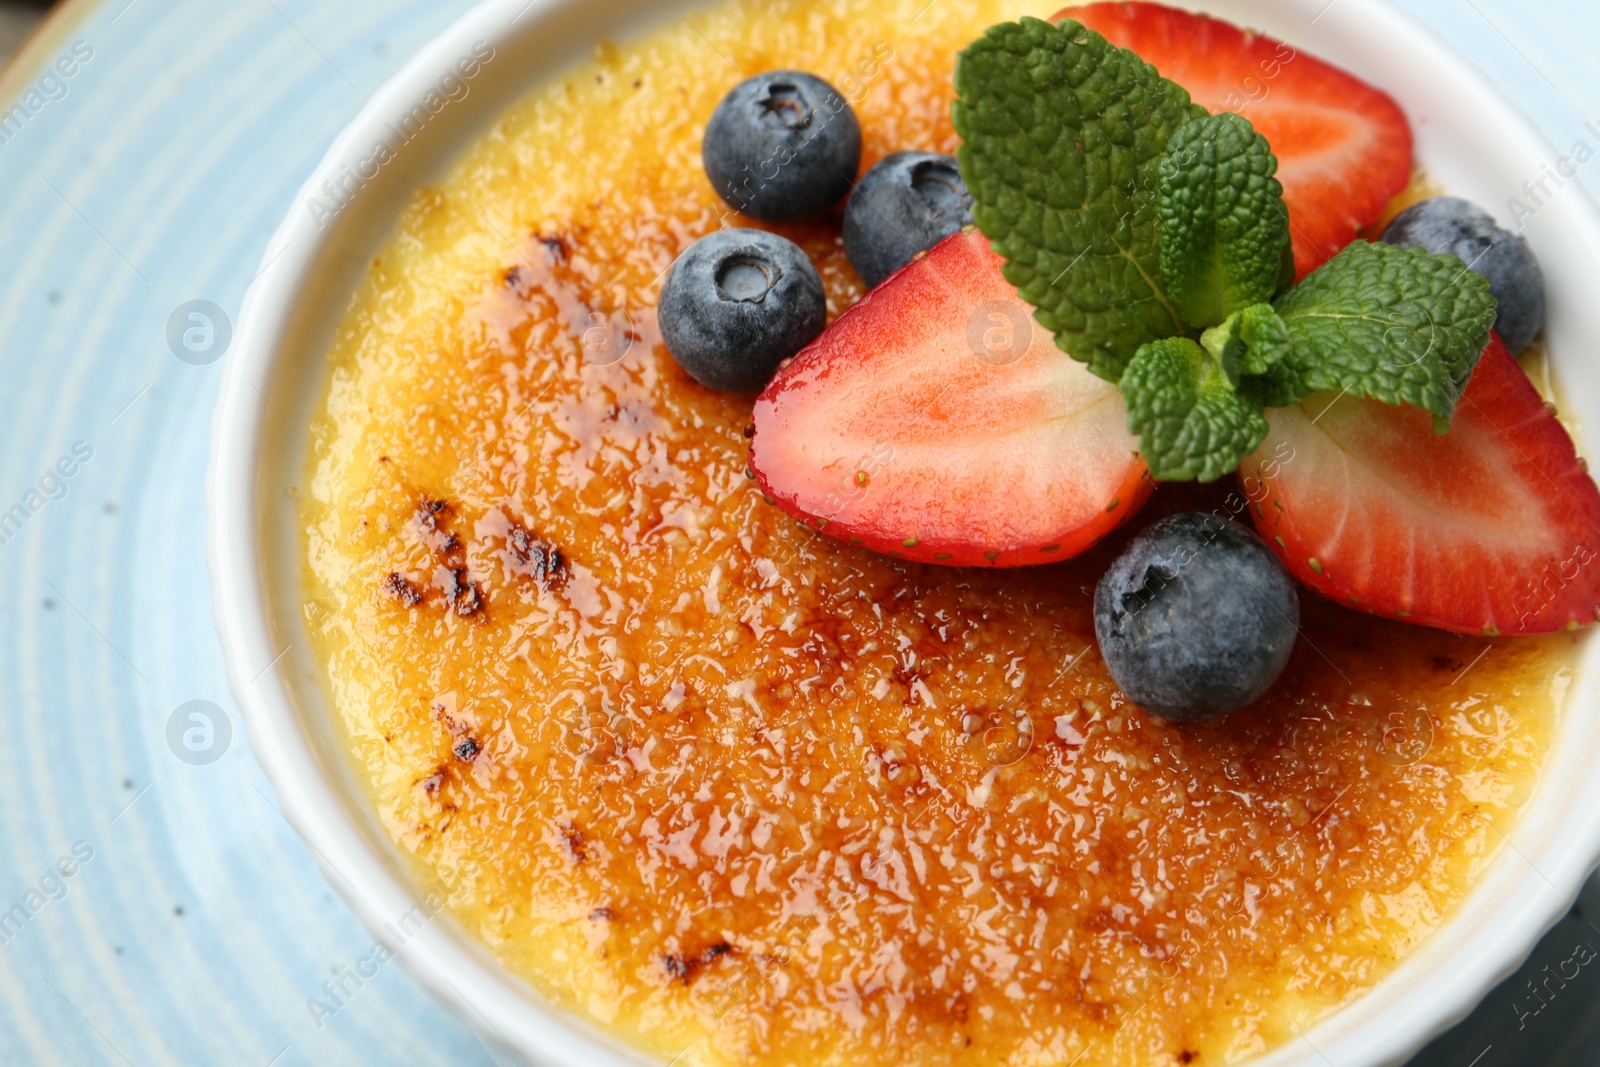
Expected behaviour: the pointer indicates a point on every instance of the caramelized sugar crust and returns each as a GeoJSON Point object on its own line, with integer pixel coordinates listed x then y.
{"type": "Point", "coordinates": [748, 795]}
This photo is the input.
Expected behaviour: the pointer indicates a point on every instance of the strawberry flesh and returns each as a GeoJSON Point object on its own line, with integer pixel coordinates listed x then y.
{"type": "Point", "coordinates": [1492, 528]}
{"type": "Point", "coordinates": [936, 421]}
{"type": "Point", "coordinates": [1343, 146]}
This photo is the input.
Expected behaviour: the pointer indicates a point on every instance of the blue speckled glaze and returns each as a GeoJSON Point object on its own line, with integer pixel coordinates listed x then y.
{"type": "Point", "coordinates": [199, 928]}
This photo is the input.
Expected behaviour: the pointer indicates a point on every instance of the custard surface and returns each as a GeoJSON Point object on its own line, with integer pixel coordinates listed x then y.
{"type": "Point", "coordinates": [745, 795]}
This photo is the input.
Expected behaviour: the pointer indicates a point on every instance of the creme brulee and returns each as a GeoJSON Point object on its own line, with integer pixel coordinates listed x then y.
{"type": "Point", "coordinates": [745, 795]}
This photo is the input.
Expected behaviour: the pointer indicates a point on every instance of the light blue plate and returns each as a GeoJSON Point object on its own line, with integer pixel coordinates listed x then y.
{"type": "Point", "coordinates": [159, 145]}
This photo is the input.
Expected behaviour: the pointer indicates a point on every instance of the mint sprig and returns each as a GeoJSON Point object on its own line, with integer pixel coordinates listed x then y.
{"type": "Point", "coordinates": [1153, 241]}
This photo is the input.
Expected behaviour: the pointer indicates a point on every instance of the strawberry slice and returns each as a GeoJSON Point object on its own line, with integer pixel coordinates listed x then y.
{"type": "Point", "coordinates": [1343, 147]}
{"type": "Point", "coordinates": [937, 422]}
{"type": "Point", "coordinates": [1492, 528]}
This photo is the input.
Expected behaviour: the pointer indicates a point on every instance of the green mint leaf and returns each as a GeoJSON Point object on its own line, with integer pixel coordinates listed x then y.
{"type": "Point", "coordinates": [1191, 422]}
{"type": "Point", "coordinates": [1063, 135]}
{"type": "Point", "coordinates": [1395, 324]}
{"type": "Point", "coordinates": [1277, 387]}
{"type": "Point", "coordinates": [1251, 341]}
{"type": "Point", "coordinates": [1224, 228]}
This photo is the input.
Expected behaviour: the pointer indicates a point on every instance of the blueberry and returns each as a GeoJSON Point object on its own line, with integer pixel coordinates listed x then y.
{"type": "Point", "coordinates": [782, 147]}
{"type": "Point", "coordinates": [737, 304]}
{"type": "Point", "coordinates": [1196, 618]}
{"type": "Point", "coordinates": [906, 204]}
{"type": "Point", "coordinates": [1460, 228]}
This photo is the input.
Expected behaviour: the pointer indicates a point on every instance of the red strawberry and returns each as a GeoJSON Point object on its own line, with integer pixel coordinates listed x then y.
{"type": "Point", "coordinates": [1343, 147]}
{"type": "Point", "coordinates": [936, 421]}
{"type": "Point", "coordinates": [1492, 528]}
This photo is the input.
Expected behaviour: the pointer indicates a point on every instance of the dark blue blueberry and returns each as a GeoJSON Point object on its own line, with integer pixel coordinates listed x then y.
{"type": "Point", "coordinates": [906, 204]}
{"type": "Point", "coordinates": [1445, 224]}
{"type": "Point", "coordinates": [782, 147]}
{"type": "Point", "coordinates": [737, 304]}
{"type": "Point", "coordinates": [1196, 618]}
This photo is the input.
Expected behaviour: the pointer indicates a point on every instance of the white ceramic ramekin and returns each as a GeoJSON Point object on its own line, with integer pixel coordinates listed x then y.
{"type": "Point", "coordinates": [1468, 136]}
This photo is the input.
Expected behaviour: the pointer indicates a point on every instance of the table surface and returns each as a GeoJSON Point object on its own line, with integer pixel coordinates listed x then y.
{"type": "Point", "coordinates": [194, 928]}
